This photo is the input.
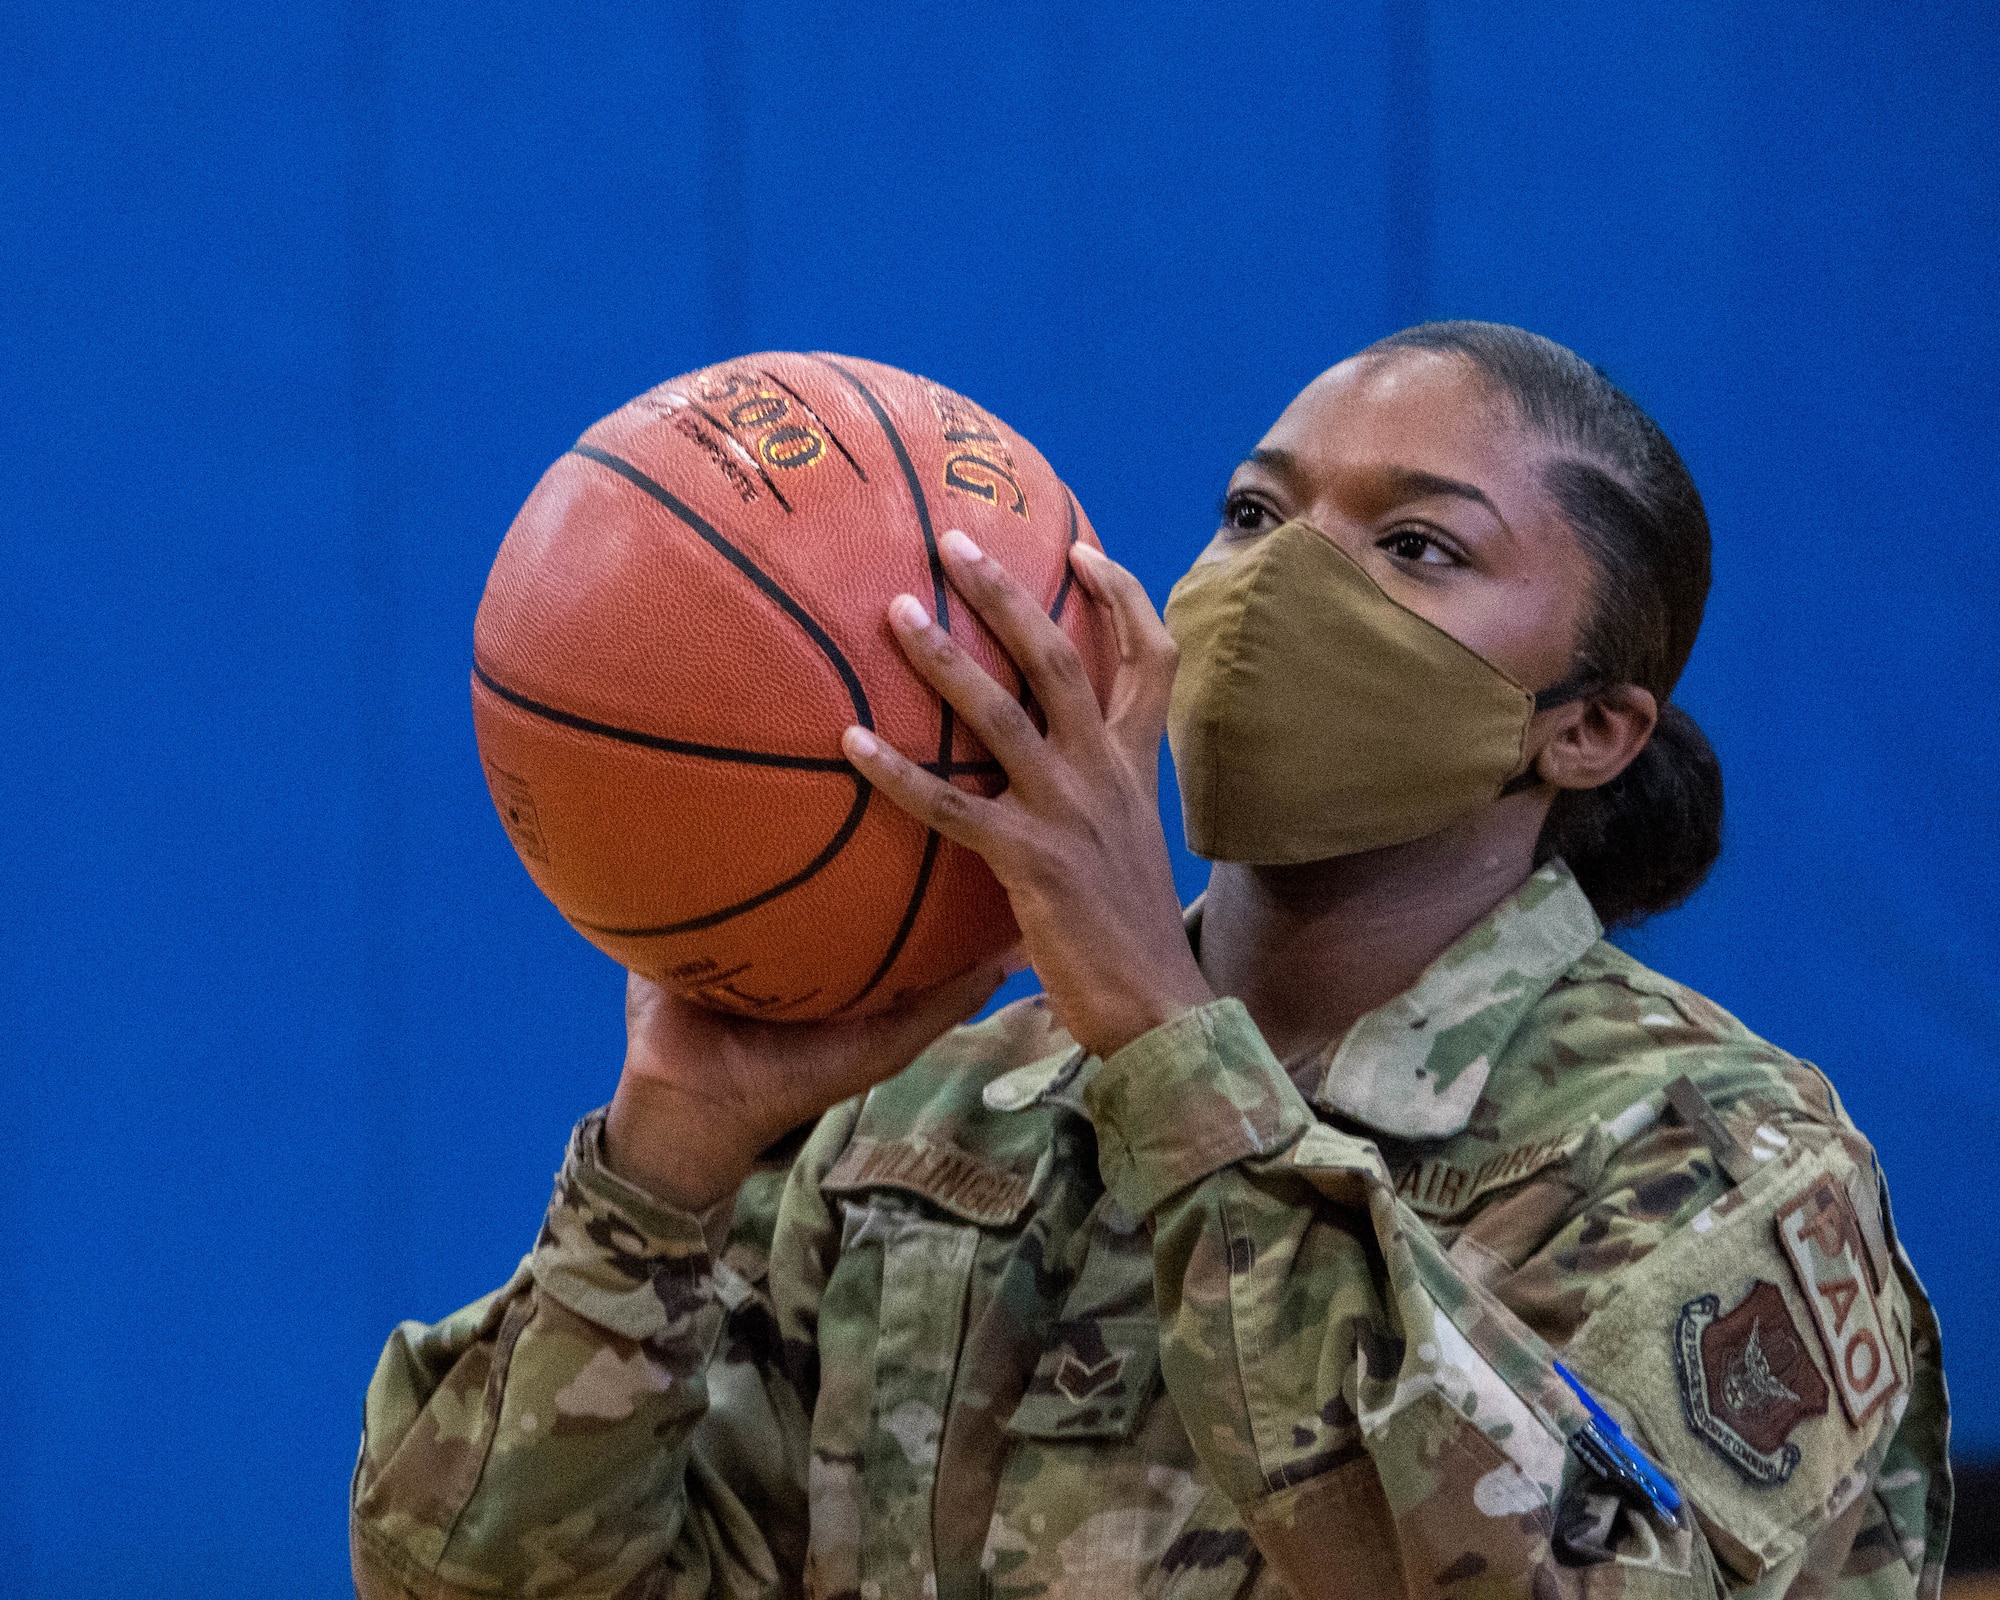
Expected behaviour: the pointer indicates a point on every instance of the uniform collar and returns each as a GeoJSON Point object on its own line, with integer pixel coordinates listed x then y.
{"type": "Point", "coordinates": [1414, 1068]}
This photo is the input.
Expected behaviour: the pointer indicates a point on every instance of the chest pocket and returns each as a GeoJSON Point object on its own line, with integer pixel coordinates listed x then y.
{"type": "Point", "coordinates": [1101, 1366]}
{"type": "Point", "coordinates": [926, 1267]}
{"type": "Point", "coordinates": [892, 1325]}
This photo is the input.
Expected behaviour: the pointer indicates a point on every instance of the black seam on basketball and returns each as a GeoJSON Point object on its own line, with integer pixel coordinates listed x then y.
{"type": "Point", "coordinates": [655, 741]}
{"type": "Point", "coordinates": [717, 422]}
{"type": "Point", "coordinates": [941, 595]}
{"type": "Point", "coordinates": [863, 790]}
{"type": "Point", "coordinates": [802, 400]}
{"type": "Point", "coordinates": [1021, 694]}
{"type": "Point", "coordinates": [1069, 572]}
{"type": "Point", "coordinates": [940, 591]}
{"type": "Point", "coordinates": [711, 752]}
{"type": "Point", "coordinates": [736, 558]}
{"type": "Point", "coordinates": [931, 843]}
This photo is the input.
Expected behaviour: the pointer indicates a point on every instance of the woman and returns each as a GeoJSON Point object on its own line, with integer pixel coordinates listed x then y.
{"type": "Point", "coordinates": [1241, 1263]}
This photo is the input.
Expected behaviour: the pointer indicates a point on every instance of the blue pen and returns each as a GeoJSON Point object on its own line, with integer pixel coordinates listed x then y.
{"type": "Point", "coordinates": [1602, 1446]}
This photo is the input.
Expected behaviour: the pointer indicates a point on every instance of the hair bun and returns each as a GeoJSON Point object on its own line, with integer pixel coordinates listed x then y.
{"type": "Point", "coordinates": [1643, 842]}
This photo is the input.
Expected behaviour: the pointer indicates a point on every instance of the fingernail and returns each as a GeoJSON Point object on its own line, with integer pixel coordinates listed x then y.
{"type": "Point", "coordinates": [860, 743]}
{"type": "Point", "coordinates": [960, 547]}
{"type": "Point", "coordinates": [909, 611]}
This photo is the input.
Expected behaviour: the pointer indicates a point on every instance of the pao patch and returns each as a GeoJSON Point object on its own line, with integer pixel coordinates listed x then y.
{"type": "Point", "coordinates": [1822, 1236]}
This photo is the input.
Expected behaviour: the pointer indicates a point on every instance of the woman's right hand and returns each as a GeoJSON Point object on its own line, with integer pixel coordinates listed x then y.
{"type": "Point", "coordinates": [702, 1092]}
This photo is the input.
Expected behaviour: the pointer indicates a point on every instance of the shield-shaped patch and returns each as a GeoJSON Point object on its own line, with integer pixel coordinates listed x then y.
{"type": "Point", "coordinates": [1747, 1380]}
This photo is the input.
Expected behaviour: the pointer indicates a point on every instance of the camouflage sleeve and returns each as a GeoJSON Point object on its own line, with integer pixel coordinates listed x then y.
{"type": "Point", "coordinates": [1737, 1295]}
{"type": "Point", "coordinates": [1562, 1245]}
{"type": "Point", "coordinates": [1342, 1380]}
{"type": "Point", "coordinates": [619, 1418]}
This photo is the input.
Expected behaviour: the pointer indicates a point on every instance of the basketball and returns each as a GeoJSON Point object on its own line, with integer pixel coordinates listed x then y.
{"type": "Point", "coordinates": [684, 617]}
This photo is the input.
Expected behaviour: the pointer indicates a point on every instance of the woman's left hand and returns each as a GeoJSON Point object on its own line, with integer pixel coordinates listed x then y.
{"type": "Point", "coordinates": [1075, 838]}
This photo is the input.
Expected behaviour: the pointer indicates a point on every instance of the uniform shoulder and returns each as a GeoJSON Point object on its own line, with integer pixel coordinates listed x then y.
{"type": "Point", "coordinates": [1610, 1027]}
{"type": "Point", "coordinates": [1588, 1068]}
{"type": "Point", "coordinates": [1745, 1306]}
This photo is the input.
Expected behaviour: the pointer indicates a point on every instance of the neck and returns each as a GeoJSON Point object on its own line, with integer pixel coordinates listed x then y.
{"type": "Point", "coordinates": [1310, 949]}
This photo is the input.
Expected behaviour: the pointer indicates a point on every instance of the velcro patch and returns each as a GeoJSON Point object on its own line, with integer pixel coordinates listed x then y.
{"type": "Point", "coordinates": [1080, 1380]}
{"type": "Point", "coordinates": [1674, 1347]}
{"type": "Point", "coordinates": [1747, 1380]}
{"type": "Point", "coordinates": [1824, 1243]}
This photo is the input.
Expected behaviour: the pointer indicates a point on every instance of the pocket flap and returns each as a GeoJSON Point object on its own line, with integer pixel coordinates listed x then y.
{"type": "Point", "coordinates": [1092, 1381]}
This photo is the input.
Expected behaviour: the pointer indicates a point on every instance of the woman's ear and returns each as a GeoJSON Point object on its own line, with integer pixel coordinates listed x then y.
{"type": "Point", "coordinates": [1596, 739]}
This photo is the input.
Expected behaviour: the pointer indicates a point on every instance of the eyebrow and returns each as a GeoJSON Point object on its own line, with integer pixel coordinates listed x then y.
{"type": "Point", "coordinates": [1414, 484]}
{"type": "Point", "coordinates": [1282, 462]}
{"type": "Point", "coordinates": [1407, 483]}
{"type": "Point", "coordinates": [1411, 483]}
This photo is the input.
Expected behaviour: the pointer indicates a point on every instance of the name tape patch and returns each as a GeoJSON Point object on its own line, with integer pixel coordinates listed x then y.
{"type": "Point", "coordinates": [1435, 1187]}
{"type": "Point", "coordinates": [962, 1183]}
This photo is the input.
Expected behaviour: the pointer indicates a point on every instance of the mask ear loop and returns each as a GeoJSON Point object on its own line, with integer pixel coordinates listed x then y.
{"type": "Point", "coordinates": [1579, 683]}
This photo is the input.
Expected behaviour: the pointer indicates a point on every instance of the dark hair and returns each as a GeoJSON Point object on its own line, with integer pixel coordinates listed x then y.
{"type": "Point", "coordinates": [1643, 842]}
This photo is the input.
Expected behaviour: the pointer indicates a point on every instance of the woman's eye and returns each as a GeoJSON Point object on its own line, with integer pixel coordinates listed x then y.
{"type": "Point", "coordinates": [1245, 515]}
{"type": "Point", "coordinates": [1415, 544]}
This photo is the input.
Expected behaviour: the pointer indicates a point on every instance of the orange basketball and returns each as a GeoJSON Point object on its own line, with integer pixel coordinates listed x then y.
{"type": "Point", "coordinates": [685, 615]}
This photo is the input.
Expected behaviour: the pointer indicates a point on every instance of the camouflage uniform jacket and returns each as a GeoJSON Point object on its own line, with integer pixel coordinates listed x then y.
{"type": "Point", "coordinates": [1021, 1323]}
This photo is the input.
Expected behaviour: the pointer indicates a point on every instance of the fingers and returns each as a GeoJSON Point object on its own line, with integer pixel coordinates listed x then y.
{"type": "Point", "coordinates": [656, 1023]}
{"type": "Point", "coordinates": [873, 1049]}
{"type": "Point", "coordinates": [1100, 741]}
{"type": "Point", "coordinates": [966, 819]}
{"type": "Point", "coordinates": [989, 710]}
{"type": "Point", "coordinates": [1048, 660]}
{"type": "Point", "coordinates": [1136, 713]}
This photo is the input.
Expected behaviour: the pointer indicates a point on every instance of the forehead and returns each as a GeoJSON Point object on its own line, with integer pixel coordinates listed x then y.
{"type": "Point", "coordinates": [1416, 409]}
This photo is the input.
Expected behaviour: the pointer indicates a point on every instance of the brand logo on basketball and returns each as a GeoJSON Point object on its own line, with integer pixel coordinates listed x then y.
{"type": "Point", "coordinates": [791, 446]}
{"type": "Point", "coordinates": [985, 467]}
{"type": "Point", "coordinates": [760, 411]}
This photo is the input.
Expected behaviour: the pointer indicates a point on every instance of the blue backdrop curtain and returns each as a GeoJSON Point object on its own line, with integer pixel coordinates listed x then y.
{"type": "Point", "coordinates": [299, 300]}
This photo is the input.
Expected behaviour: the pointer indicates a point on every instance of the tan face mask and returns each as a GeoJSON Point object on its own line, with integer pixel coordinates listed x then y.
{"type": "Point", "coordinates": [1313, 716]}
